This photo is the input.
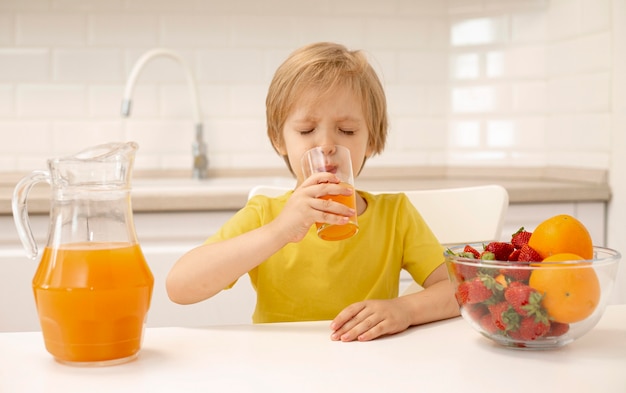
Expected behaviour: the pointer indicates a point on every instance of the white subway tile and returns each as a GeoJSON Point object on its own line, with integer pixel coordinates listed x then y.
{"type": "Point", "coordinates": [87, 5]}
{"type": "Point", "coordinates": [401, 33]}
{"type": "Point", "coordinates": [189, 29]}
{"type": "Point", "coordinates": [465, 134]}
{"type": "Point", "coordinates": [347, 30]}
{"type": "Point", "coordinates": [422, 7]}
{"type": "Point", "coordinates": [240, 135]}
{"type": "Point", "coordinates": [52, 28]}
{"type": "Point", "coordinates": [363, 7]}
{"type": "Point", "coordinates": [384, 64]}
{"type": "Point", "coordinates": [25, 5]}
{"type": "Point", "coordinates": [589, 53]}
{"type": "Point", "coordinates": [481, 99]}
{"type": "Point", "coordinates": [105, 100]}
{"type": "Point", "coordinates": [162, 6]}
{"type": "Point", "coordinates": [51, 101]}
{"type": "Point", "coordinates": [530, 97]}
{"type": "Point", "coordinates": [266, 157]}
{"type": "Point", "coordinates": [87, 65]}
{"type": "Point", "coordinates": [7, 101]}
{"type": "Point", "coordinates": [437, 99]}
{"type": "Point", "coordinates": [596, 15]}
{"type": "Point", "coordinates": [428, 66]}
{"type": "Point", "coordinates": [579, 159]}
{"type": "Point", "coordinates": [564, 19]}
{"type": "Point", "coordinates": [529, 27]}
{"type": "Point", "coordinates": [480, 31]}
{"type": "Point", "coordinates": [214, 100]}
{"type": "Point", "coordinates": [248, 100]}
{"type": "Point", "coordinates": [405, 99]}
{"type": "Point", "coordinates": [581, 132]}
{"type": "Point", "coordinates": [69, 137]}
{"type": "Point", "coordinates": [160, 136]}
{"type": "Point", "coordinates": [175, 102]}
{"type": "Point", "coordinates": [520, 62]}
{"type": "Point", "coordinates": [230, 65]}
{"type": "Point", "coordinates": [400, 158]}
{"type": "Point", "coordinates": [144, 102]}
{"type": "Point", "coordinates": [420, 134]}
{"type": "Point", "coordinates": [589, 92]}
{"type": "Point", "coordinates": [20, 137]}
{"type": "Point", "coordinates": [529, 133]}
{"type": "Point", "coordinates": [7, 29]}
{"type": "Point", "coordinates": [123, 29]}
{"type": "Point", "coordinates": [263, 31]}
{"type": "Point", "coordinates": [24, 65]}
{"type": "Point", "coordinates": [466, 66]}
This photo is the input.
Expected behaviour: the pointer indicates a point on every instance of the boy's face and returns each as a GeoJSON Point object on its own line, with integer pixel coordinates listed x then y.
{"type": "Point", "coordinates": [334, 119]}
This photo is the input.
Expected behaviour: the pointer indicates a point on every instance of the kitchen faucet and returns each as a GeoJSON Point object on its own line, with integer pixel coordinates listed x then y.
{"type": "Point", "coordinates": [199, 149]}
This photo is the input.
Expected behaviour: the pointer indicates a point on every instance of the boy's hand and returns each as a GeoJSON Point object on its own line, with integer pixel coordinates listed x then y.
{"type": "Point", "coordinates": [305, 207]}
{"type": "Point", "coordinates": [370, 319]}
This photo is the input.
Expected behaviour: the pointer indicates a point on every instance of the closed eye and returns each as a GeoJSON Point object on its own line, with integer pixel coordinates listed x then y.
{"type": "Point", "coordinates": [346, 132]}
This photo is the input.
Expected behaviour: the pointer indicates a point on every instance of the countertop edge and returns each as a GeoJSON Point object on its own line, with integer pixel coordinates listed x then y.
{"type": "Point", "coordinates": [525, 185]}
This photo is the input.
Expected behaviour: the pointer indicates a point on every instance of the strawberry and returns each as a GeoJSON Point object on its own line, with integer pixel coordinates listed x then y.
{"type": "Point", "coordinates": [519, 238]}
{"type": "Point", "coordinates": [486, 322]}
{"type": "Point", "coordinates": [504, 316]}
{"type": "Point", "coordinates": [527, 254]}
{"type": "Point", "coordinates": [475, 311]}
{"type": "Point", "coordinates": [558, 329]}
{"type": "Point", "coordinates": [519, 274]}
{"type": "Point", "coordinates": [501, 250]}
{"type": "Point", "coordinates": [471, 250]}
{"type": "Point", "coordinates": [464, 271]}
{"type": "Point", "coordinates": [472, 291]}
{"type": "Point", "coordinates": [531, 328]}
{"type": "Point", "coordinates": [514, 255]}
{"type": "Point", "coordinates": [526, 301]}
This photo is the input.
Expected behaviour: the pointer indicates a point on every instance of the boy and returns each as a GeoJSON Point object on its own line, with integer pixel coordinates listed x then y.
{"type": "Point", "coordinates": [324, 94]}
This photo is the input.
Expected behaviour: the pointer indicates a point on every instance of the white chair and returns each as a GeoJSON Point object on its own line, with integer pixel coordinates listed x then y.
{"type": "Point", "coordinates": [455, 215]}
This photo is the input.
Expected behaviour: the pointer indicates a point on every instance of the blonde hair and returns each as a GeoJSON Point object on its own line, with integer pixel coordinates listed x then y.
{"type": "Point", "coordinates": [325, 65]}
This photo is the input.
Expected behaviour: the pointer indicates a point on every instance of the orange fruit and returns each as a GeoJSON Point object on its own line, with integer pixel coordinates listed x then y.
{"type": "Point", "coordinates": [571, 292]}
{"type": "Point", "coordinates": [561, 234]}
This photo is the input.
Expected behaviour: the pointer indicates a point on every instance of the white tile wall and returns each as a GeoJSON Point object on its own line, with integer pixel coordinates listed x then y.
{"type": "Point", "coordinates": [485, 82]}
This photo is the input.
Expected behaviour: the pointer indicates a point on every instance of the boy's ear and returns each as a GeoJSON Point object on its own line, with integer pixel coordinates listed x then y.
{"type": "Point", "coordinates": [279, 146]}
{"type": "Point", "coordinates": [369, 151]}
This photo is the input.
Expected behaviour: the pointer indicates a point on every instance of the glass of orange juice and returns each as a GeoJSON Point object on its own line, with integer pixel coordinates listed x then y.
{"type": "Point", "coordinates": [335, 159]}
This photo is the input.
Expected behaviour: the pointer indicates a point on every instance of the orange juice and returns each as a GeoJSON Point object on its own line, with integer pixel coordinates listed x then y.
{"type": "Point", "coordinates": [339, 232]}
{"type": "Point", "coordinates": [92, 300]}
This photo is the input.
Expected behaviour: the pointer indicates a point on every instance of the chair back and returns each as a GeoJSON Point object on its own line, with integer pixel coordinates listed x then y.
{"type": "Point", "coordinates": [464, 214]}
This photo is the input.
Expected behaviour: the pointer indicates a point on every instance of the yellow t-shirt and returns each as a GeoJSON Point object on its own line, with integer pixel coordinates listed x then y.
{"type": "Point", "coordinates": [315, 279]}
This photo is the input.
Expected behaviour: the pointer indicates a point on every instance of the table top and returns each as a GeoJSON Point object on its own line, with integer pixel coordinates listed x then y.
{"type": "Point", "coordinates": [300, 357]}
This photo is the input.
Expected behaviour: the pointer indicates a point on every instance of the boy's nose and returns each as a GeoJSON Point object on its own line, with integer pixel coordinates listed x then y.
{"type": "Point", "coordinates": [328, 149]}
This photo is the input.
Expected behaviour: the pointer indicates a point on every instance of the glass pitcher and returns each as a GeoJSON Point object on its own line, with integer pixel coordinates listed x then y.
{"type": "Point", "coordinates": [93, 286]}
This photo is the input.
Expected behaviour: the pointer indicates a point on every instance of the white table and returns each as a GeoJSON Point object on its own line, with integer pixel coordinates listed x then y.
{"type": "Point", "coordinates": [299, 357]}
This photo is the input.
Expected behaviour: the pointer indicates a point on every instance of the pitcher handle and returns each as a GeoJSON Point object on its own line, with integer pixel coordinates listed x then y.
{"type": "Point", "coordinates": [20, 210]}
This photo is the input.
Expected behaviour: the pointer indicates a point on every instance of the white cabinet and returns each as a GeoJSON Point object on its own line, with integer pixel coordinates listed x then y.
{"type": "Point", "coordinates": [529, 215]}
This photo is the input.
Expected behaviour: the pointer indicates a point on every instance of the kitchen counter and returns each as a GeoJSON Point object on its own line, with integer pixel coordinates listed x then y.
{"type": "Point", "coordinates": [160, 191]}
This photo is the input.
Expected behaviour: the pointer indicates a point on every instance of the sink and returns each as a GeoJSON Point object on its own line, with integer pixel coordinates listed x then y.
{"type": "Point", "coordinates": [217, 184]}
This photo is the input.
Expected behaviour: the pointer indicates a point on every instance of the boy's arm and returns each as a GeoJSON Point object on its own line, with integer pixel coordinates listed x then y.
{"type": "Point", "coordinates": [207, 269]}
{"type": "Point", "coordinates": [371, 319]}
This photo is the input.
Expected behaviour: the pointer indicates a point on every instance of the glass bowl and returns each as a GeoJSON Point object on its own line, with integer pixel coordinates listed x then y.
{"type": "Point", "coordinates": [532, 305]}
